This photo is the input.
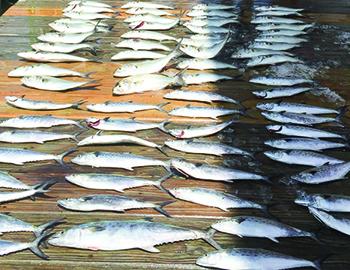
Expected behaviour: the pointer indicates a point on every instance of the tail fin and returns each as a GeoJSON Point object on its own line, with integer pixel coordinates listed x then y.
{"type": "Point", "coordinates": [318, 262]}
{"type": "Point", "coordinates": [75, 136]}
{"type": "Point", "coordinates": [77, 104]}
{"type": "Point", "coordinates": [159, 182]}
{"type": "Point", "coordinates": [210, 240]}
{"type": "Point", "coordinates": [40, 229]}
{"type": "Point", "coordinates": [87, 74]}
{"type": "Point", "coordinates": [160, 107]}
{"type": "Point", "coordinates": [178, 78]}
{"type": "Point", "coordinates": [162, 126]}
{"type": "Point", "coordinates": [160, 207]}
{"type": "Point", "coordinates": [34, 247]}
{"type": "Point", "coordinates": [60, 157]}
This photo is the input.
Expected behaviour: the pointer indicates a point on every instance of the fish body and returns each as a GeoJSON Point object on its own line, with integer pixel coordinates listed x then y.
{"type": "Point", "coordinates": [147, 11]}
{"type": "Point", "coordinates": [295, 108]}
{"type": "Point", "coordinates": [131, 54]}
{"type": "Point", "coordinates": [51, 83]}
{"type": "Point", "coordinates": [325, 202]}
{"type": "Point", "coordinates": [151, 35]}
{"type": "Point", "coordinates": [203, 77]}
{"type": "Point", "coordinates": [275, 46]}
{"type": "Point", "coordinates": [280, 92]}
{"type": "Point", "coordinates": [85, 15]}
{"type": "Point", "coordinates": [140, 4]}
{"type": "Point", "coordinates": [214, 173]}
{"type": "Point", "coordinates": [89, 3]}
{"type": "Point", "coordinates": [211, 22]}
{"type": "Point", "coordinates": [277, 8]}
{"type": "Point", "coordinates": [252, 53]}
{"type": "Point", "coordinates": [280, 81]}
{"type": "Point", "coordinates": [206, 43]}
{"type": "Point", "coordinates": [207, 37]}
{"type": "Point", "coordinates": [275, 20]}
{"type": "Point", "coordinates": [150, 18]}
{"type": "Point", "coordinates": [8, 181]}
{"type": "Point", "coordinates": [278, 13]}
{"type": "Point", "coordinates": [280, 39]}
{"type": "Point", "coordinates": [203, 64]}
{"type": "Point", "coordinates": [206, 29]}
{"type": "Point", "coordinates": [210, 13]}
{"type": "Point", "coordinates": [211, 6]}
{"type": "Point", "coordinates": [120, 107]}
{"type": "Point", "coordinates": [301, 157]}
{"type": "Point", "coordinates": [72, 28]}
{"type": "Point", "coordinates": [283, 26]}
{"type": "Point", "coordinates": [203, 112]}
{"type": "Point", "coordinates": [38, 105]}
{"type": "Point", "coordinates": [52, 57]}
{"type": "Point", "coordinates": [272, 60]}
{"type": "Point", "coordinates": [212, 198]}
{"type": "Point", "coordinates": [33, 136]}
{"type": "Point", "coordinates": [87, 9]}
{"type": "Point", "coordinates": [283, 32]}
{"type": "Point", "coordinates": [297, 118]}
{"type": "Point", "coordinates": [142, 25]}
{"type": "Point", "coordinates": [140, 44]}
{"type": "Point", "coordinates": [202, 96]}
{"type": "Point", "coordinates": [203, 52]}
{"type": "Point", "coordinates": [56, 37]}
{"type": "Point", "coordinates": [62, 47]}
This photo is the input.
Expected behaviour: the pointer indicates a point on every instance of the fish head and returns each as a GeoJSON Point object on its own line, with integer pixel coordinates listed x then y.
{"type": "Point", "coordinates": [123, 87]}
{"type": "Point", "coordinates": [34, 80]}
{"type": "Point", "coordinates": [274, 128]}
{"type": "Point", "coordinates": [305, 199]}
{"type": "Point", "coordinates": [93, 122]}
{"type": "Point", "coordinates": [68, 203]}
{"type": "Point", "coordinates": [276, 155]}
{"type": "Point", "coordinates": [71, 237]}
{"type": "Point", "coordinates": [261, 94]}
{"type": "Point", "coordinates": [178, 133]}
{"type": "Point", "coordinates": [83, 159]}
{"type": "Point", "coordinates": [265, 106]}
{"type": "Point", "coordinates": [211, 259]}
{"type": "Point", "coordinates": [11, 99]}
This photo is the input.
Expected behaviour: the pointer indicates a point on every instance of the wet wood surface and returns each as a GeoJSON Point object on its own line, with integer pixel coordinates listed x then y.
{"type": "Point", "coordinates": [327, 51]}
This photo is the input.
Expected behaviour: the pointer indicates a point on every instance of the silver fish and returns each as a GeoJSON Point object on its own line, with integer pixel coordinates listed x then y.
{"type": "Point", "coordinates": [204, 77]}
{"type": "Point", "coordinates": [205, 147]}
{"type": "Point", "coordinates": [213, 198]}
{"type": "Point", "coordinates": [298, 118]}
{"type": "Point", "coordinates": [323, 174]}
{"type": "Point", "coordinates": [279, 13]}
{"type": "Point", "coordinates": [280, 39]}
{"type": "Point", "coordinates": [203, 112]}
{"type": "Point", "coordinates": [150, 18]}
{"type": "Point", "coordinates": [296, 108]}
{"type": "Point", "coordinates": [283, 26]}
{"type": "Point", "coordinates": [113, 182]}
{"type": "Point", "coordinates": [211, 6]}
{"type": "Point", "coordinates": [63, 47]}
{"type": "Point", "coordinates": [131, 54]}
{"type": "Point", "coordinates": [12, 224]}
{"type": "Point", "coordinates": [120, 160]}
{"type": "Point", "coordinates": [89, 3]}
{"type": "Point", "coordinates": [142, 25]}
{"type": "Point", "coordinates": [280, 92]}
{"type": "Point", "coordinates": [250, 53]}
{"type": "Point", "coordinates": [206, 37]}
{"type": "Point", "coordinates": [205, 43]}
{"type": "Point", "coordinates": [85, 15]}
{"type": "Point", "coordinates": [278, 8]}
{"type": "Point", "coordinates": [272, 60]}
{"type": "Point", "coordinates": [34, 136]}
{"type": "Point", "coordinates": [203, 64]}
{"type": "Point", "coordinates": [115, 203]}
{"type": "Point", "coordinates": [206, 29]}
{"type": "Point", "coordinates": [45, 70]}
{"type": "Point", "coordinates": [302, 131]}
{"type": "Point", "coordinates": [299, 157]}
{"type": "Point", "coordinates": [203, 52]}
{"type": "Point", "coordinates": [211, 21]}
{"type": "Point", "coordinates": [250, 226]}
{"type": "Point", "coordinates": [53, 57]}
{"type": "Point", "coordinates": [272, 19]}
{"type": "Point", "coordinates": [325, 202]}
{"type": "Point", "coordinates": [275, 46]}
{"type": "Point", "coordinates": [279, 81]}
{"type": "Point", "coordinates": [37, 121]}
{"type": "Point", "coordinates": [194, 132]}
{"type": "Point", "coordinates": [120, 107]}
{"type": "Point", "coordinates": [152, 35]}
{"type": "Point", "coordinates": [56, 37]}
{"type": "Point", "coordinates": [128, 125]}
{"type": "Point", "coordinates": [250, 258]}
{"type": "Point", "coordinates": [202, 96]}
{"type": "Point", "coordinates": [339, 224]}
{"type": "Point", "coordinates": [214, 173]}
{"type": "Point", "coordinates": [140, 4]}
{"type": "Point", "coordinates": [87, 9]}
{"type": "Point", "coordinates": [73, 28]}
{"type": "Point", "coordinates": [39, 105]}
{"type": "Point", "coordinates": [8, 181]}
{"type": "Point", "coordinates": [79, 21]}
{"type": "Point", "coordinates": [210, 13]}
{"type": "Point", "coordinates": [124, 235]}
{"type": "Point", "coordinates": [53, 84]}
{"type": "Point", "coordinates": [283, 32]}
{"type": "Point", "coordinates": [143, 10]}
{"type": "Point", "coordinates": [304, 144]}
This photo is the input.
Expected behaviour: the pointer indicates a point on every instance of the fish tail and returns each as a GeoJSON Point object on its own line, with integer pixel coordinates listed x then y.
{"type": "Point", "coordinates": [97, 82]}
{"type": "Point", "coordinates": [78, 103]}
{"type": "Point", "coordinates": [49, 225]}
{"type": "Point", "coordinates": [317, 263]}
{"type": "Point", "coordinates": [160, 107]}
{"type": "Point", "coordinates": [60, 157]}
{"type": "Point", "coordinates": [210, 240]}
{"type": "Point", "coordinates": [42, 187]}
{"type": "Point", "coordinates": [87, 74]}
{"type": "Point", "coordinates": [160, 209]}
{"type": "Point", "coordinates": [75, 136]}
{"type": "Point", "coordinates": [35, 246]}
{"type": "Point", "coordinates": [162, 126]}
{"type": "Point", "coordinates": [342, 110]}
{"type": "Point", "coordinates": [159, 182]}
{"type": "Point", "coordinates": [96, 60]}
{"type": "Point", "coordinates": [161, 149]}
{"type": "Point", "coordinates": [178, 78]}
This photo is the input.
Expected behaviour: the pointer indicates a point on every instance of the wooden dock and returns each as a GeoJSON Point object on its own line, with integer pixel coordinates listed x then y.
{"type": "Point", "coordinates": [20, 26]}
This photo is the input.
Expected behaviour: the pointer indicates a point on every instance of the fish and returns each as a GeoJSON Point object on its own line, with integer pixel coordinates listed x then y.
{"type": "Point", "coordinates": [205, 147]}
{"type": "Point", "coordinates": [298, 118]}
{"type": "Point", "coordinates": [115, 182]}
{"type": "Point", "coordinates": [120, 107]}
{"type": "Point", "coordinates": [8, 247]}
{"type": "Point", "coordinates": [280, 81]}
{"type": "Point", "coordinates": [280, 39]}
{"type": "Point", "coordinates": [280, 92]}
{"type": "Point", "coordinates": [146, 66]}
{"type": "Point", "coordinates": [51, 57]}
{"type": "Point", "coordinates": [283, 26]}
{"type": "Point", "coordinates": [76, 28]}
{"type": "Point", "coordinates": [147, 82]}
{"type": "Point", "coordinates": [210, 6]}
{"type": "Point", "coordinates": [250, 53]}
{"type": "Point", "coordinates": [79, 21]}
{"type": "Point", "coordinates": [83, 8]}
{"type": "Point", "coordinates": [213, 198]}
{"type": "Point", "coordinates": [8, 181]}
{"type": "Point", "coordinates": [324, 202]}
{"type": "Point", "coordinates": [276, 46]}
{"type": "Point", "coordinates": [121, 160]}
{"type": "Point", "coordinates": [89, 3]}
{"type": "Point", "coordinates": [302, 131]}
{"type": "Point", "coordinates": [205, 43]}
{"type": "Point", "coordinates": [63, 47]}
{"type": "Point", "coordinates": [140, 4]}
{"type": "Point", "coordinates": [203, 64]}
{"type": "Point", "coordinates": [283, 32]}
{"type": "Point", "coordinates": [11, 224]}
{"type": "Point", "coordinates": [49, 83]}
{"type": "Point", "coordinates": [20, 156]}
{"type": "Point", "coordinates": [85, 15]}
{"type": "Point", "coordinates": [128, 125]}
{"type": "Point", "coordinates": [211, 22]}
{"type": "Point", "coordinates": [203, 52]}
{"type": "Point", "coordinates": [301, 157]}
{"type": "Point", "coordinates": [37, 121]}
{"type": "Point", "coordinates": [203, 112]}
{"type": "Point", "coordinates": [275, 19]}
{"type": "Point", "coordinates": [34, 136]}
{"type": "Point", "coordinates": [323, 174]}
{"type": "Point", "coordinates": [114, 203]}
{"type": "Point", "coordinates": [56, 37]}
{"type": "Point", "coordinates": [150, 19]}
{"type": "Point", "coordinates": [203, 96]}
{"type": "Point", "coordinates": [277, 8]}
{"type": "Point", "coordinates": [140, 44]}
{"type": "Point", "coordinates": [150, 35]}
{"type": "Point", "coordinates": [201, 131]}
{"type": "Point", "coordinates": [279, 13]}
{"type": "Point", "coordinates": [272, 60]}
{"type": "Point", "coordinates": [143, 10]}
{"type": "Point", "coordinates": [208, 37]}
{"type": "Point", "coordinates": [298, 143]}
{"type": "Point", "coordinates": [99, 139]}
{"type": "Point", "coordinates": [339, 224]}
{"type": "Point", "coordinates": [131, 54]}
{"type": "Point", "coordinates": [45, 70]}
{"type": "Point", "coordinates": [206, 29]}
{"type": "Point", "coordinates": [142, 25]}
{"type": "Point", "coordinates": [210, 13]}
{"type": "Point", "coordinates": [213, 173]}
{"type": "Point", "coordinates": [204, 77]}
{"type": "Point", "coordinates": [39, 105]}
{"type": "Point", "coordinates": [250, 226]}
{"type": "Point", "coordinates": [283, 106]}
{"type": "Point", "coordinates": [126, 234]}
{"type": "Point", "coordinates": [33, 191]}
{"type": "Point", "coordinates": [251, 258]}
